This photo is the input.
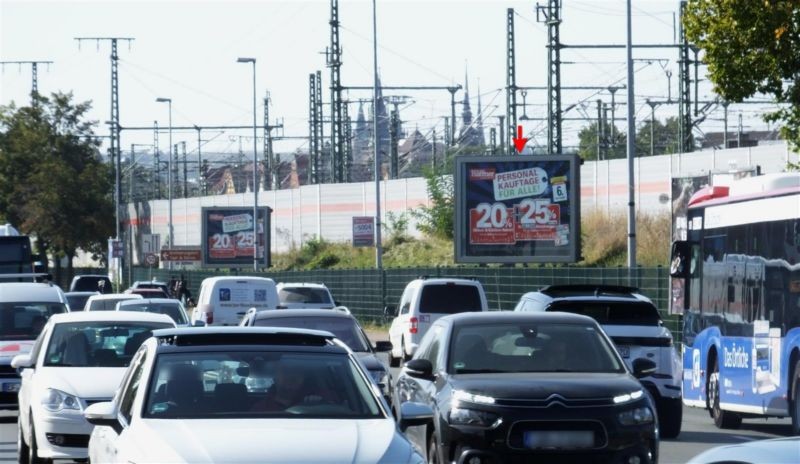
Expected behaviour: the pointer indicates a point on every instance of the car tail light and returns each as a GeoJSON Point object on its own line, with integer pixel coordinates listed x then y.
{"type": "Point", "coordinates": [414, 325]}
{"type": "Point", "coordinates": [209, 317]}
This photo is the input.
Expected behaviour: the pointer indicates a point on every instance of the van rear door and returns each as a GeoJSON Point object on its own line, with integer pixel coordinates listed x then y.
{"type": "Point", "coordinates": [440, 299]}
{"type": "Point", "coordinates": [232, 299]}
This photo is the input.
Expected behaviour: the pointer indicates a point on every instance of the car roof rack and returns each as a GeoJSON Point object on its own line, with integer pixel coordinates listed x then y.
{"type": "Point", "coordinates": [588, 289]}
{"type": "Point", "coordinates": [204, 336]}
{"type": "Point", "coordinates": [426, 277]}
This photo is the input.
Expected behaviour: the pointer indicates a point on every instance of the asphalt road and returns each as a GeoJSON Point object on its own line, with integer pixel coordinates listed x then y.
{"type": "Point", "coordinates": [698, 434]}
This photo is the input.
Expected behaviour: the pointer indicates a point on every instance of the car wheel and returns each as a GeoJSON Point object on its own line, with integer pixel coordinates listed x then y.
{"type": "Point", "coordinates": [393, 361]}
{"type": "Point", "coordinates": [22, 447]}
{"type": "Point", "coordinates": [33, 450]}
{"type": "Point", "coordinates": [433, 450]}
{"type": "Point", "coordinates": [795, 404]}
{"type": "Point", "coordinates": [722, 419]}
{"type": "Point", "coordinates": [670, 417]}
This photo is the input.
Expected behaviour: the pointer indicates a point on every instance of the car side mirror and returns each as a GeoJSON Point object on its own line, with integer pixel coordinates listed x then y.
{"type": "Point", "coordinates": [420, 369]}
{"type": "Point", "coordinates": [383, 346]}
{"type": "Point", "coordinates": [680, 258]}
{"type": "Point", "coordinates": [413, 414]}
{"type": "Point", "coordinates": [336, 303]}
{"type": "Point", "coordinates": [103, 414]}
{"type": "Point", "coordinates": [643, 367]}
{"type": "Point", "coordinates": [22, 361]}
{"type": "Point", "coordinates": [390, 311]}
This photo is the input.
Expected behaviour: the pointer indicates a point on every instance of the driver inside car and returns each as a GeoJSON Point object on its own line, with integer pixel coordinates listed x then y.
{"type": "Point", "coordinates": [293, 385]}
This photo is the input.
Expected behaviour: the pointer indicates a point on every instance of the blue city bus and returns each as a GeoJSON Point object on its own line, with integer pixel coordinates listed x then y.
{"type": "Point", "coordinates": [736, 279]}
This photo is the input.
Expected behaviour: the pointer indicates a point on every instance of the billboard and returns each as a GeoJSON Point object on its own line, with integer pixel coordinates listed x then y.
{"type": "Point", "coordinates": [517, 209]}
{"type": "Point", "coordinates": [363, 231]}
{"type": "Point", "coordinates": [227, 238]}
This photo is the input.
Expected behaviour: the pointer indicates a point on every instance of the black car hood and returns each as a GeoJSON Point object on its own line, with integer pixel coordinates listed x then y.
{"type": "Point", "coordinates": [540, 386]}
{"type": "Point", "coordinates": [370, 361]}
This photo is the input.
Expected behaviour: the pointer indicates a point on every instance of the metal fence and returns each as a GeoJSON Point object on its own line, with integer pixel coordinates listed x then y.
{"type": "Point", "coordinates": [366, 291]}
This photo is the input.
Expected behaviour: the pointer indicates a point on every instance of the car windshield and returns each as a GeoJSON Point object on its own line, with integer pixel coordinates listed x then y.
{"type": "Point", "coordinates": [222, 385]}
{"type": "Point", "coordinates": [305, 295]}
{"type": "Point", "coordinates": [344, 328]}
{"type": "Point", "coordinates": [77, 302]}
{"type": "Point", "coordinates": [106, 304]}
{"type": "Point", "coordinates": [608, 313]}
{"type": "Point", "coordinates": [173, 310]}
{"type": "Point", "coordinates": [24, 321]}
{"type": "Point", "coordinates": [449, 299]}
{"type": "Point", "coordinates": [97, 344]}
{"type": "Point", "coordinates": [544, 347]}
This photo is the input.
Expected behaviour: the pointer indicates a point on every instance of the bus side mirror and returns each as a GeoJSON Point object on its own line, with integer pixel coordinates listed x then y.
{"type": "Point", "coordinates": [680, 258]}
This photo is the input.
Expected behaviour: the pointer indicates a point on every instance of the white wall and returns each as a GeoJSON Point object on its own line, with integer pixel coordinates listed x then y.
{"type": "Point", "coordinates": [326, 210]}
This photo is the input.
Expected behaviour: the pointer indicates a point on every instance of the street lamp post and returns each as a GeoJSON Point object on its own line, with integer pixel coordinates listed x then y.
{"type": "Point", "coordinates": [376, 151]}
{"type": "Point", "coordinates": [169, 176]}
{"type": "Point", "coordinates": [255, 167]}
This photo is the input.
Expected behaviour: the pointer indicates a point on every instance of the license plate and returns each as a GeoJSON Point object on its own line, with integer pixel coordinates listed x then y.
{"type": "Point", "coordinates": [560, 439]}
{"type": "Point", "coordinates": [11, 387]}
{"type": "Point", "coordinates": [625, 351]}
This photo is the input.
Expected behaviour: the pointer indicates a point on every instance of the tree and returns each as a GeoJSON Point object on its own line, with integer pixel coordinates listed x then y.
{"type": "Point", "coordinates": [751, 47]}
{"type": "Point", "coordinates": [610, 148]}
{"type": "Point", "coordinates": [53, 184]}
{"type": "Point", "coordinates": [666, 136]}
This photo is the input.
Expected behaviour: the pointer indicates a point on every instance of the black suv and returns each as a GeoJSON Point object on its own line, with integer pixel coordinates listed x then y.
{"type": "Point", "coordinates": [528, 387]}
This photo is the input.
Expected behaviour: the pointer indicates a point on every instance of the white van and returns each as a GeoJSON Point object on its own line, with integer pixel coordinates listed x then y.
{"type": "Point", "coordinates": [225, 300]}
{"type": "Point", "coordinates": [423, 302]}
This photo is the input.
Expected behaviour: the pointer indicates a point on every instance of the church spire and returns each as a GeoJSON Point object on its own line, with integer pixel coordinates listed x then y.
{"type": "Point", "coordinates": [481, 140]}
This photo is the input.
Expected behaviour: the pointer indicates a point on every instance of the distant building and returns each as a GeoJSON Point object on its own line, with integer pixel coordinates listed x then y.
{"type": "Point", "coordinates": [471, 133]}
{"type": "Point", "coordinates": [748, 139]}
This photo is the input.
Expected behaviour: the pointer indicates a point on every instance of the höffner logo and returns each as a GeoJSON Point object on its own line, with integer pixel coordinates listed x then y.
{"type": "Point", "coordinates": [735, 358]}
{"type": "Point", "coordinates": [481, 174]}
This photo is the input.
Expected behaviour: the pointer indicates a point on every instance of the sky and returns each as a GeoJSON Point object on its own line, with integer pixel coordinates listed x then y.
{"type": "Point", "coordinates": [187, 51]}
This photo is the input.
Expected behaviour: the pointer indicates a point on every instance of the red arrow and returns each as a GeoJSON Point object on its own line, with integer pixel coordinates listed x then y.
{"type": "Point", "coordinates": [519, 140]}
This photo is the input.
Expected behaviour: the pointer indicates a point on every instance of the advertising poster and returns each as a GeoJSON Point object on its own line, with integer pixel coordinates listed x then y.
{"type": "Point", "coordinates": [228, 239]}
{"type": "Point", "coordinates": [517, 209]}
{"type": "Point", "coordinates": [363, 231]}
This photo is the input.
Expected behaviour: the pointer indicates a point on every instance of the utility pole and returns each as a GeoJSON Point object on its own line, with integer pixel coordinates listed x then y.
{"type": "Point", "coordinates": [599, 129]}
{"type": "Point", "coordinates": [335, 63]}
{"type": "Point", "coordinates": [115, 142]}
{"type": "Point", "coordinates": [313, 166]}
{"type": "Point", "coordinates": [631, 149]}
{"type": "Point", "coordinates": [612, 129]}
{"type": "Point", "coordinates": [501, 139]}
{"type": "Point", "coordinates": [433, 153]}
{"type": "Point", "coordinates": [348, 144]}
{"type": "Point", "coordinates": [201, 177]}
{"type": "Point", "coordinates": [157, 160]}
{"type": "Point", "coordinates": [493, 140]}
{"type": "Point", "coordinates": [452, 91]}
{"type": "Point", "coordinates": [447, 134]}
{"type": "Point", "coordinates": [684, 83]}
{"type": "Point", "coordinates": [394, 121]}
{"type": "Point", "coordinates": [376, 153]}
{"type": "Point", "coordinates": [511, 84]}
{"type": "Point", "coordinates": [185, 174]}
{"type": "Point", "coordinates": [34, 74]}
{"type": "Point", "coordinates": [725, 122]}
{"type": "Point", "coordinates": [652, 126]}
{"type": "Point", "coordinates": [320, 129]}
{"type": "Point", "coordinates": [552, 17]}
{"type": "Point", "coordinates": [739, 133]}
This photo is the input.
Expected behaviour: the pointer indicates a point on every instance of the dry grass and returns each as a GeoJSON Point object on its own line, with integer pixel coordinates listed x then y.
{"type": "Point", "coordinates": [604, 239]}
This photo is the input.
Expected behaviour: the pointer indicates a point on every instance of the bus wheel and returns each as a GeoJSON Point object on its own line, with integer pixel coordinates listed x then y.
{"type": "Point", "coordinates": [722, 419]}
{"type": "Point", "coordinates": [795, 403]}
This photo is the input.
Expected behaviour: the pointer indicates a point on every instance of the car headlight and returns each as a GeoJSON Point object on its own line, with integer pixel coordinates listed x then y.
{"type": "Point", "coordinates": [467, 397]}
{"type": "Point", "coordinates": [55, 400]}
{"type": "Point", "coordinates": [460, 416]}
{"type": "Point", "coordinates": [636, 416]}
{"type": "Point", "coordinates": [628, 397]}
{"type": "Point", "coordinates": [379, 376]}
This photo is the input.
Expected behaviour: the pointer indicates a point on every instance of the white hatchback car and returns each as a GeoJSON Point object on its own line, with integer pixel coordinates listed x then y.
{"type": "Point", "coordinates": [108, 301]}
{"type": "Point", "coordinates": [247, 395]}
{"type": "Point", "coordinates": [305, 296]}
{"type": "Point", "coordinates": [79, 359]}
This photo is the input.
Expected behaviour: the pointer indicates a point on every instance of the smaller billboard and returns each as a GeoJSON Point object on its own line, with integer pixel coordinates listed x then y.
{"type": "Point", "coordinates": [363, 231]}
{"type": "Point", "coordinates": [228, 239]}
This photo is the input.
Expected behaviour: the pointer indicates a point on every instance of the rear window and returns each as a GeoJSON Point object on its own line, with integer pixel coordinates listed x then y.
{"type": "Point", "coordinates": [449, 299]}
{"type": "Point", "coordinates": [91, 284]}
{"type": "Point", "coordinates": [24, 321]}
{"type": "Point", "coordinates": [304, 295]}
{"type": "Point", "coordinates": [109, 304]}
{"type": "Point", "coordinates": [612, 313]}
